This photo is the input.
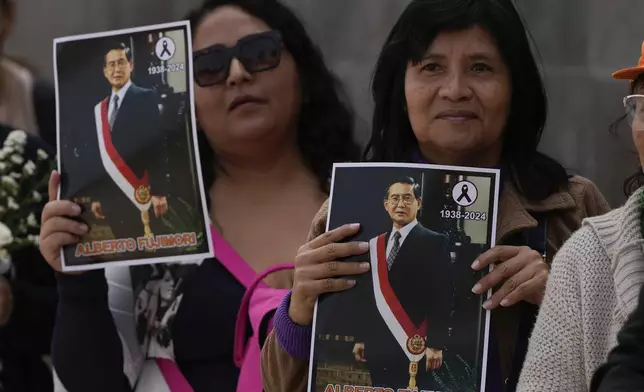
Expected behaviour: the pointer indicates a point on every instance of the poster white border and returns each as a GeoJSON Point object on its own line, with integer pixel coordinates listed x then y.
{"type": "Point", "coordinates": [191, 258]}
{"type": "Point", "coordinates": [465, 169]}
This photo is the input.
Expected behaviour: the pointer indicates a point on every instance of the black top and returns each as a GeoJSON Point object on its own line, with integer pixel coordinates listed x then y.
{"type": "Point", "coordinates": [624, 369]}
{"type": "Point", "coordinates": [44, 99]}
{"type": "Point", "coordinates": [87, 352]}
{"type": "Point", "coordinates": [27, 336]}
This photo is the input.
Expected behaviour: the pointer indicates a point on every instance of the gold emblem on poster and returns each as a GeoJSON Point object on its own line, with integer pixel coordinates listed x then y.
{"type": "Point", "coordinates": [416, 344]}
{"type": "Point", "coordinates": [142, 194]}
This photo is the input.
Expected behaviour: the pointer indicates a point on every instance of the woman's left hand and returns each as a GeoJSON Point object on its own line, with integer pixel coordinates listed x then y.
{"type": "Point", "coordinates": [523, 269]}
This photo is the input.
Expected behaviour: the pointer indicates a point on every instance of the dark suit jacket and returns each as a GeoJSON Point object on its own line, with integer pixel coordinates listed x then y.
{"type": "Point", "coordinates": [420, 279]}
{"type": "Point", "coordinates": [139, 137]}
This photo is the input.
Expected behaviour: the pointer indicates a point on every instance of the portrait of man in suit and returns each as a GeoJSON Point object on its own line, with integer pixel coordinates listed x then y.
{"type": "Point", "coordinates": [131, 198]}
{"type": "Point", "coordinates": [412, 291]}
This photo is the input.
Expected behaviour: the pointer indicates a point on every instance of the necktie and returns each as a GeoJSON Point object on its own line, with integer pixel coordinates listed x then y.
{"type": "Point", "coordinates": [114, 110]}
{"type": "Point", "coordinates": [394, 250]}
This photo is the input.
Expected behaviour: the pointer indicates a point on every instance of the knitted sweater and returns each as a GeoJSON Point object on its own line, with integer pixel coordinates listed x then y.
{"type": "Point", "coordinates": [592, 289]}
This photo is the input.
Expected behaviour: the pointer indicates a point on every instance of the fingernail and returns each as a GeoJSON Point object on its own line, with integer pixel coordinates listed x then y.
{"type": "Point", "coordinates": [77, 209]}
{"type": "Point", "coordinates": [364, 246]}
{"type": "Point", "coordinates": [487, 304]}
{"type": "Point", "coordinates": [83, 228]}
{"type": "Point", "coordinates": [364, 266]}
{"type": "Point", "coordinates": [475, 264]}
{"type": "Point", "coordinates": [505, 302]}
{"type": "Point", "coordinates": [477, 288]}
{"type": "Point", "coordinates": [354, 225]}
{"type": "Point", "coordinates": [351, 282]}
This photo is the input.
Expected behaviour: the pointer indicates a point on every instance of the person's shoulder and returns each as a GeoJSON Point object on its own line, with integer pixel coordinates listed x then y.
{"type": "Point", "coordinates": [578, 185]}
{"type": "Point", "coordinates": [142, 91]}
{"type": "Point", "coordinates": [318, 226]}
{"type": "Point", "coordinates": [587, 195]}
{"type": "Point", "coordinates": [428, 233]}
{"type": "Point", "coordinates": [43, 92]}
{"type": "Point", "coordinates": [619, 227]}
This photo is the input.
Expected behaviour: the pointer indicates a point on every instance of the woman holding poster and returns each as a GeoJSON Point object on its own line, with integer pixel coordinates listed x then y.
{"type": "Point", "coordinates": [455, 84]}
{"type": "Point", "coordinates": [263, 117]}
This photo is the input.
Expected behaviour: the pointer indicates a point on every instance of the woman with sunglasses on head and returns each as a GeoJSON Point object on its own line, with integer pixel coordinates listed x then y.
{"type": "Point", "coordinates": [271, 124]}
{"type": "Point", "coordinates": [456, 84]}
{"type": "Point", "coordinates": [594, 282]}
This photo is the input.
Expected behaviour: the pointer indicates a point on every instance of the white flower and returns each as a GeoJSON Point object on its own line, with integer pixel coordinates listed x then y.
{"type": "Point", "coordinates": [5, 151]}
{"type": "Point", "coordinates": [34, 239]}
{"type": "Point", "coordinates": [17, 159]}
{"type": "Point", "coordinates": [6, 237]}
{"type": "Point", "coordinates": [42, 154]}
{"type": "Point", "coordinates": [11, 203]}
{"type": "Point", "coordinates": [3, 166]}
{"type": "Point", "coordinates": [15, 175]}
{"type": "Point", "coordinates": [30, 167]}
{"type": "Point", "coordinates": [2, 210]}
{"type": "Point", "coordinates": [19, 137]}
{"type": "Point", "coordinates": [36, 196]}
{"type": "Point", "coordinates": [9, 181]}
{"type": "Point", "coordinates": [31, 220]}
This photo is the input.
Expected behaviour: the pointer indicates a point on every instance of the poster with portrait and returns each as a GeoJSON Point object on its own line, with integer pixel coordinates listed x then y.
{"type": "Point", "coordinates": [127, 147]}
{"type": "Point", "coordinates": [412, 322]}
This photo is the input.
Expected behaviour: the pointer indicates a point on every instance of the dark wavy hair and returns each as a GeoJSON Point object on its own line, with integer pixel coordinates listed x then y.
{"type": "Point", "coordinates": [636, 180]}
{"type": "Point", "coordinates": [535, 175]}
{"type": "Point", "coordinates": [326, 119]}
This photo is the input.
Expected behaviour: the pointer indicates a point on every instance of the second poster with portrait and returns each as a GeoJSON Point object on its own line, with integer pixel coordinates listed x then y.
{"type": "Point", "coordinates": [412, 323]}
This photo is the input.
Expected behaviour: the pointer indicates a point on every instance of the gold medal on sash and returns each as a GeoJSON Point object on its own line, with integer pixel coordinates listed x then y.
{"type": "Point", "coordinates": [142, 194]}
{"type": "Point", "coordinates": [416, 346]}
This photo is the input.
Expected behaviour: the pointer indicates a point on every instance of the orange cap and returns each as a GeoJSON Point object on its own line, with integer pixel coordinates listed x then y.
{"type": "Point", "coordinates": [634, 72]}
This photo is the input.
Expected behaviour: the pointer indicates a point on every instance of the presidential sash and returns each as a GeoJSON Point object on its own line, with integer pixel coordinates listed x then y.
{"type": "Point", "coordinates": [136, 189]}
{"type": "Point", "coordinates": [410, 337]}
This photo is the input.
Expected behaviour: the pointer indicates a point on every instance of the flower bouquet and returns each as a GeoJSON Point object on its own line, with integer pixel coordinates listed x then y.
{"type": "Point", "coordinates": [23, 191]}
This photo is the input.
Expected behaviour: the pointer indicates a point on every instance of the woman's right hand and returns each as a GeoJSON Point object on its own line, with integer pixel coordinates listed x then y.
{"type": "Point", "coordinates": [57, 227]}
{"type": "Point", "coordinates": [317, 270]}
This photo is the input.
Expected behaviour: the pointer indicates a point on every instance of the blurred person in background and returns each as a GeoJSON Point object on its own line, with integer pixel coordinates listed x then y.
{"type": "Point", "coordinates": [272, 121]}
{"type": "Point", "coordinates": [28, 293]}
{"type": "Point", "coordinates": [456, 83]}
{"type": "Point", "coordinates": [26, 101]}
{"type": "Point", "coordinates": [594, 283]}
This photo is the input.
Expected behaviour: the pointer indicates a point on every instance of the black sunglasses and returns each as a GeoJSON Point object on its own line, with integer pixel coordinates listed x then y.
{"type": "Point", "coordinates": [257, 53]}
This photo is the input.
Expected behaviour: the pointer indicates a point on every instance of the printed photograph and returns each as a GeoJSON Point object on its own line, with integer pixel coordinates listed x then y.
{"type": "Point", "coordinates": [412, 323]}
{"type": "Point", "coordinates": [128, 146]}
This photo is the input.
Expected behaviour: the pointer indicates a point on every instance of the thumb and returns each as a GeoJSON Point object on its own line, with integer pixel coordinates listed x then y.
{"type": "Point", "coordinates": [54, 182]}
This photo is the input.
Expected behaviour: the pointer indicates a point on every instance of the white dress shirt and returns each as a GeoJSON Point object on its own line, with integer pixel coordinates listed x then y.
{"type": "Point", "coordinates": [404, 231]}
{"type": "Point", "coordinates": [121, 94]}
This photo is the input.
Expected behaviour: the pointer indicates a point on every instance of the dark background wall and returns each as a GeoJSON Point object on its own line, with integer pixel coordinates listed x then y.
{"type": "Point", "coordinates": [580, 41]}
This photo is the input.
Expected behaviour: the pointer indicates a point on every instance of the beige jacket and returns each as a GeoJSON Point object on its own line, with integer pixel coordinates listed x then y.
{"type": "Point", "coordinates": [565, 212]}
{"type": "Point", "coordinates": [593, 287]}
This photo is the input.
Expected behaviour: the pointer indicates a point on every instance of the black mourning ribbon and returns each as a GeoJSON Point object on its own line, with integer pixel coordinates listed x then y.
{"type": "Point", "coordinates": [464, 194]}
{"type": "Point", "coordinates": [165, 49]}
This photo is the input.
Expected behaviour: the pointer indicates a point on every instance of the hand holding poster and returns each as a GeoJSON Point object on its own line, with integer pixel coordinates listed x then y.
{"type": "Point", "coordinates": [412, 323]}
{"type": "Point", "coordinates": [128, 146]}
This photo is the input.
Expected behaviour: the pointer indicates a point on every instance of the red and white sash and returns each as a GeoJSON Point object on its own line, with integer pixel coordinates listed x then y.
{"type": "Point", "coordinates": [114, 164]}
{"type": "Point", "coordinates": [392, 312]}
